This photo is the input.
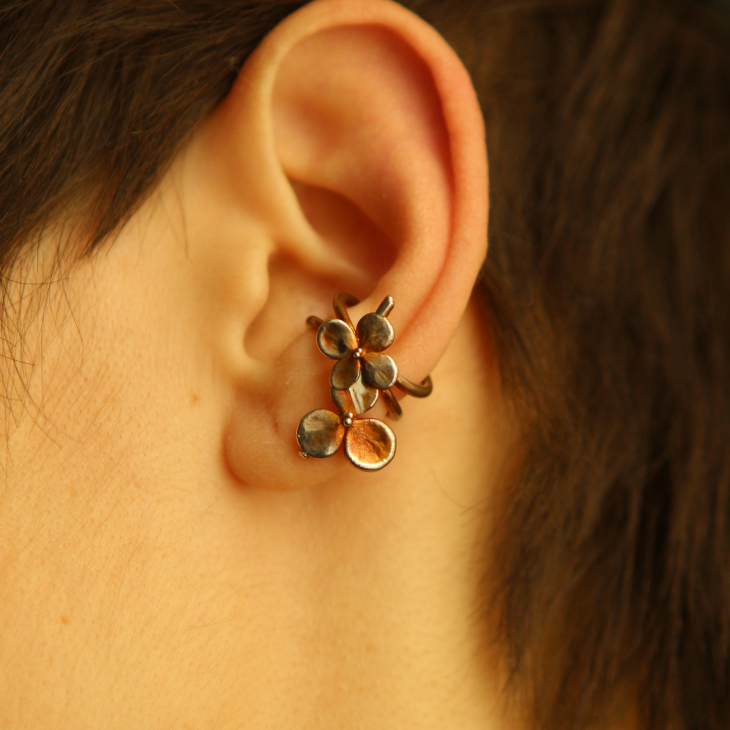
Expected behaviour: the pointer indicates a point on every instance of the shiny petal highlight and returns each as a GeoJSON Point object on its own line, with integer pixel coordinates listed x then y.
{"type": "Point", "coordinates": [345, 373]}
{"type": "Point", "coordinates": [369, 444]}
{"type": "Point", "coordinates": [320, 433]}
{"type": "Point", "coordinates": [379, 370]}
{"type": "Point", "coordinates": [336, 339]}
{"type": "Point", "coordinates": [375, 333]}
{"type": "Point", "coordinates": [356, 399]}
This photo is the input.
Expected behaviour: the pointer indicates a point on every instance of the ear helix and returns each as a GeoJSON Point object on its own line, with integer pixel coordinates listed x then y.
{"type": "Point", "coordinates": [361, 374]}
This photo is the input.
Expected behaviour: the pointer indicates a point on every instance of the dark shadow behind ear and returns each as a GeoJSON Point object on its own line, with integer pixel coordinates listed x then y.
{"type": "Point", "coordinates": [353, 145]}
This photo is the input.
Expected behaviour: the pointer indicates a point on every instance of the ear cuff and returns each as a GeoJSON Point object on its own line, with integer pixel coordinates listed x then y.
{"type": "Point", "coordinates": [362, 373]}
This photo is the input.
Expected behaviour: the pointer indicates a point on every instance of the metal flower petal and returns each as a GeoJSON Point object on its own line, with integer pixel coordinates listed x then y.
{"type": "Point", "coordinates": [375, 332]}
{"type": "Point", "coordinates": [336, 339]}
{"type": "Point", "coordinates": [356, 399]}
{"type": "Point", "coordinates": [369, 444]}
{"type": "Point", "coordinates": [320, 433]}
{"type": "Point", "coordinates": [379, 370]}
{"type": "Point", "coordinates": [345, 373]}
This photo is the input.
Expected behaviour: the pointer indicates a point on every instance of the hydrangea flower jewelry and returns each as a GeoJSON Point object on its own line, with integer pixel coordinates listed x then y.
{"type": "Point", "coordinates": [361, 374]}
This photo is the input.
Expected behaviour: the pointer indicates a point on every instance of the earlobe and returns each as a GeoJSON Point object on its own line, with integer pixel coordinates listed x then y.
{"type": "Point", "coordinates": [355, 138]}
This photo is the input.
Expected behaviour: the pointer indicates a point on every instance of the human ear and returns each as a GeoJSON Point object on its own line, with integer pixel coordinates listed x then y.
{"type": "Point", "coordinates": [349, 156]}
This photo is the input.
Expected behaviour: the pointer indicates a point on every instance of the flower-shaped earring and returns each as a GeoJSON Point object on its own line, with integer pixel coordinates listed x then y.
{"type": "Point", "coordinates": [361, 373]}
{"type": "Point", "coordinates": [360, 351]}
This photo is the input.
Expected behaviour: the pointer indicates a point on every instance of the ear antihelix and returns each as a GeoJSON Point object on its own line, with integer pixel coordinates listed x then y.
{"type": "Point", "coordinates": [361, 374]}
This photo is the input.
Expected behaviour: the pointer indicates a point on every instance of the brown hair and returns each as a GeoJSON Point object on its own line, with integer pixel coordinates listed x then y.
{"type": "Point", "coordinates": [608, 284]}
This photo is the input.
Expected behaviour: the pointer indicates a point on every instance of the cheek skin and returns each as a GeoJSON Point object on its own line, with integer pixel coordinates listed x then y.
{"type": "Point", "coordinates": [118, 545]}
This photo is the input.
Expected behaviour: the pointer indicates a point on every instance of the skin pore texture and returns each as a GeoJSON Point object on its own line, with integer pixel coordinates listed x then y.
{"type": "Point", "coordinates": [167, 558]}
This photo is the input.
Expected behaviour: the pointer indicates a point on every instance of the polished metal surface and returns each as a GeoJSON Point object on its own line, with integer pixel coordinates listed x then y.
{"type": "Point", "coordinates": [394, 410]}
{"type": "Point", "coordinates": [386, 306]}
{"type": "Point", "coordinates": [362, 372]}
{"type": "Point", "coordinates": [417, 391]}
{"type": "Point", "coordinates": [341, 303]}
{"type": "Point", "coordinates": [346, 372]}
{"type": "Point", "coordinates": [320, 433]}
{"type": "Point", "coordinates": [379, 370]}
{"type": "Point", "coordinates": [375, 333]}
{"type": "Point", "coordinates": [356, 399]}
{"type": "Point", "coordinates": [369, 444]}
{"type": "Point", "coordinates": [358, 350]}
{"type": "Point", "coordinates": [336, 339]}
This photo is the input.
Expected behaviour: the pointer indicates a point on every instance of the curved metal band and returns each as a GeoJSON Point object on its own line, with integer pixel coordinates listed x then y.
{"type": "Point", "coordinates": [394, 409]}
{"type": "Point", "coordinates": [417, 391]}
{"type": "Point", "coordinates": [341, 303]}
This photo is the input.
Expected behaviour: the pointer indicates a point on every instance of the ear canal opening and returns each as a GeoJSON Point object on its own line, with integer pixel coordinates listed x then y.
{"type": "Point", "coordinates": [348, 230]}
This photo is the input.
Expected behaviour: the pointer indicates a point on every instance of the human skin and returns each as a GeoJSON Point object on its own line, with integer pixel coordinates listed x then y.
{"type": "Point", "coordinates": [167, 559]}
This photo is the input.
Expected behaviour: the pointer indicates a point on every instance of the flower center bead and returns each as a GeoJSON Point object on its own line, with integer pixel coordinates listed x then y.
{"type": "Point", "coordinates": [357, 354]}
{"type": "Point", "coordinates": [347, 420]}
